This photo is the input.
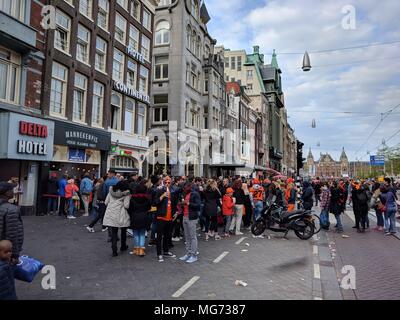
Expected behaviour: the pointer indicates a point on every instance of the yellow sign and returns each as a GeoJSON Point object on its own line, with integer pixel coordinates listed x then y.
{"type": "Point", "coordinates": [381, 179]}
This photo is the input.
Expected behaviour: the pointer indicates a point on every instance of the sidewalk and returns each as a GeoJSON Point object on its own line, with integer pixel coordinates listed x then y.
{"type": "Point", "coordinates": [374, 256]}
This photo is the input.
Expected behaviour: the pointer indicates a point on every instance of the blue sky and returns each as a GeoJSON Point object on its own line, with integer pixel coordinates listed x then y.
{"type": "Point", "coordinates": [364, 81]}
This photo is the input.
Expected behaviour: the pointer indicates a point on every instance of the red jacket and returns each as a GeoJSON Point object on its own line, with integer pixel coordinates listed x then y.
{"type": "Point", "coordinates": [227, 205]}
{"type": "Point", "coordinates": [69, 190]}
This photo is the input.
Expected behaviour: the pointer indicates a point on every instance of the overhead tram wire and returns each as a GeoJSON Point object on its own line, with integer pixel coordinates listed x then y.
{"type": "Point", "coordinates": [384, 116]}
{"type": "Point", "coordinates": [386, 140]}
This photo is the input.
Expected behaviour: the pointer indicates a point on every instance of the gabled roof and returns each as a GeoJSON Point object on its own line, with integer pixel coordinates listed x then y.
{"type": "Point", "coordinates": [268, 73]}
{"type": "Point", "coordinates": [233, 86]}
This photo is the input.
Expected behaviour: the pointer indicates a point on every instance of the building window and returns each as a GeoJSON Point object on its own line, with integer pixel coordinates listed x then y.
{"type": "Point", "coordinates": [206, 51]}
{"type": "Point", "coordinates": [10, 63]}
{"type": "Point", "coordinates": [206, 84]}
{"type": "Point", "coordinates": [133, 38]}
{"type": "Point", "coordinates": [143, 79]}
{"type": "Point", "coordinates": [129, 115]}
{"type": "Point", "coordinates": [146, 20]}
{"type": "Point", "coordinates": [188, 36]}
{"type": "Point", "coordinates": [80, 91]}
{"type": "Point", "coordinates": [83, 44]}
{"type": "Point", "coordinates": [116, 104]}
{"type": "Point", "coordinates": [102, 16]}
{"type": "Point", "coordinates": [215, 84]}
{"type": "Point", "coordinates": [120, 28]}
{"type": "Point", "coordinates": [193, 41]}
{"type": "Point", "coordinates": [198, 47]}
{"type": "Point", "coordinates": [98, 103]}
{"type": "Point", "coordinates": [160, 114]}
{"type": "Point", "coordinates": [161, 68]}
{"type": "Point", "coordinates": [226, 62]}
{"type": "Point", "coordinates": [85, 8]}
{"type": "Point", "coordinates": [101, 54]}
{"type": "Point", "coordinates": [249, 74]}
{"type": "Point", "coordinates": [164, 3]}
{"type": "Point", "coordinates": [160, 111]}
{"type": "Point", "coordinates": [141, 119]}
{"type": "Point", "coordinates": [58, 91]}
{"type": "Point", "coordinates": [162, 32]}
{"type": "Point", "coordinates": [123, 4]}
{"type": "Point", "coordinates": [131, 74]}
{"type": "Point", "coordinates": [135, 9]}
{"type": "Point", "coordinates": [13, 8]}
{"type": "Point", "coordinates": [193, 76]}
{"type": "Point", "coordinates": [239, 63]}
{"type": "Point", "coordinates": [118, 65]}
{"type": "Point", "coordinates": [62, 32]}
{"type": "Point", "coordinates": [145, 50]}
{"type": "Point", "coordinates": [249, 86]}
{"type": "Point", "coordinates": [233, 63]}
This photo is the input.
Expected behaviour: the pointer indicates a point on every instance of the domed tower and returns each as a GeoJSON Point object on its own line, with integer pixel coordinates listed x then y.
{"type": "Point", "coordinates": [344, 163]}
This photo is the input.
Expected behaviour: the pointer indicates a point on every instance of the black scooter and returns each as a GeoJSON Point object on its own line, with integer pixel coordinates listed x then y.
{"type": "Point", "coordinates": [274, 218]}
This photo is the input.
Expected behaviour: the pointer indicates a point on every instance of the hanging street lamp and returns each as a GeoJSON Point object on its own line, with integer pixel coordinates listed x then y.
{"type": "Point", "coordinates": [306, 62]}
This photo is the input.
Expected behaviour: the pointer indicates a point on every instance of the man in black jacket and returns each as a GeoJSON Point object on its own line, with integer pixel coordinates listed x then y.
{"type": "Point", "coordinates": [307, 196]}
{"type": "Point", "coordinates": [11, 226]}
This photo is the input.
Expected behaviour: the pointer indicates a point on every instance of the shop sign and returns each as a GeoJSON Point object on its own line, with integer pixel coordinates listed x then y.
{"type": "Point", "coordinates": [76, 155]}
{"type": "Point", "coordinates": [79, 137]}
{"type": "Point", "coordinates": [25, 138]}
{"type": "Point", "coordinates": [125, 153]}
{"type": "Point", "coordinates": [135, 55]}
{"type": "Point", "coordinates": [123, 88]}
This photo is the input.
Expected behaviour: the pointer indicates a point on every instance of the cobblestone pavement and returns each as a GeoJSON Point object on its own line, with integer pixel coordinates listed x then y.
{"type": "Point", "coordinates": [374, 256]}
{"type": "Point", "coordinates": [273, 268]}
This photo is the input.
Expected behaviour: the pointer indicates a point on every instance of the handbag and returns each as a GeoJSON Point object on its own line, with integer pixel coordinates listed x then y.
{"type": "Point", "coordinates": [27, 268]}
{"type": "Point", "coordinates": [75, 196]}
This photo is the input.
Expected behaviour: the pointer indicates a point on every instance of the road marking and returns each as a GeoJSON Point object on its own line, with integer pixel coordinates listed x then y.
{"type": "Point", "coordinates": [315, 237]}
{"type": "Point", "coordinates": [240, 240]}
{"type": "Point", "coordinates": [317, 272]}
{"type": "Point", "coordinates": [317, 298]}
{"type": "Point", "coordinates": [223, 255]}
{"type": "Point", "coordinates": [186, 286]}
{"type": "Point", "coordinates": [315, 250]}
{"type": "Point", "coordinates": [351, 216]}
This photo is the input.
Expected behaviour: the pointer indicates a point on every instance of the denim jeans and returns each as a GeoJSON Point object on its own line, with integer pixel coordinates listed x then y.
{"type": "Point", "coordinates": [139, 238]}
{"type": "Point", "coordinates": [379, 216]}
{"type": "Point", "coordinates": [228, 223]}
{"type": "Point", "coordinates": [390, 219]}
{"type": "Point", "coordinates": [339, 225]}
{"type": "Point", "coordinates": [52, 204]}
{"type": "Point", "coordinates": [324, 216]}
{"type": "Point", "coordinates": [189, 226]}
{"type": "Point", "coordinates": [258, 206]}
{"type": "Point", "coordinates": [71, 207]}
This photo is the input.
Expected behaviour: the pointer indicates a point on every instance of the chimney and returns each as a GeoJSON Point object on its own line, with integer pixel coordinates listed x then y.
{"type": "Point", "coordinates": [256, 49]}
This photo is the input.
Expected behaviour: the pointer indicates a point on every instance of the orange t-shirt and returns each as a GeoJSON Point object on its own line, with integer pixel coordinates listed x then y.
{"type": "Point", "coordinates": [168, 217]}
{"type": "Point", "coordinates": [257, 194]}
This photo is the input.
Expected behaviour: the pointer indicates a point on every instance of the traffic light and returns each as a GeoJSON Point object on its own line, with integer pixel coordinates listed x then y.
{"type": "Point", "coordinates": [300, 159]}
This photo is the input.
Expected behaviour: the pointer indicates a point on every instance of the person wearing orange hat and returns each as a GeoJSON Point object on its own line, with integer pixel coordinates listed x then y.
{"type": "Point", "coordinates": [228, 205]}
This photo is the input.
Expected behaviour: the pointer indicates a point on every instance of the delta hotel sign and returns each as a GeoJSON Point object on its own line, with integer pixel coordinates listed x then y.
{"type": "Point", "coordinates": [32, 130]}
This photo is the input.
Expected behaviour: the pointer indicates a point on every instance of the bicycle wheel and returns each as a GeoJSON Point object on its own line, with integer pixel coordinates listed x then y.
{"type": "Point", "coordinates": [317, 223]}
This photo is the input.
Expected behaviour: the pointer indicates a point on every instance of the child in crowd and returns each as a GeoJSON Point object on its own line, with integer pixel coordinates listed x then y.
{"type": "Point", "coordinates": [7, 283]}
{"type": "Point", "coordinates": [228, 204]}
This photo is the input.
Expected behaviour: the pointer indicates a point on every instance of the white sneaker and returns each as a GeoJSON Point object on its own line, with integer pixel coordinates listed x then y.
{"type": "Point", "coordinates": [239, 233]}
{"type": "Point", "coordinates": [71, 217]}
{"type": "Point", "coordinates": [217, 237]}
{"type": "Point", "coordinates": [91, 230]}
{"type": "Point", "coordinates": [176, 239]}
{"type": "Point", "coordinates": [85, 215]}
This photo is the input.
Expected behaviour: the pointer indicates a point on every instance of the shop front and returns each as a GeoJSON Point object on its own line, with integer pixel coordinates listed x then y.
{"type": "Point", "coordinates": [79, 150]}
{"type": "Point", "coordinates": [25, 143]}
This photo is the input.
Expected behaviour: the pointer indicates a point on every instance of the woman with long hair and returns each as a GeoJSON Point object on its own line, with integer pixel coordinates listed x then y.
{"type": "Point", "coordinates": [116, 216]}
{"type": "Point", "coordinates": [212, 200]}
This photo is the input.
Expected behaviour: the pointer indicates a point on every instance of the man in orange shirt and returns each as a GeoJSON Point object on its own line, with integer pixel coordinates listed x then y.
{"type": "Point", "coordinates": [257, 192]}
{"type": "Point", "coordinates": [166, 202]}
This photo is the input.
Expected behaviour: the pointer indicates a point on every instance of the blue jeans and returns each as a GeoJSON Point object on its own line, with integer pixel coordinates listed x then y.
{"type": "Point", "coordinates": [228, 223]}
{"type": "Point", "coordinates": [258, 206]}
{"type": "Point", "coordinates": [71, 207]}
{"type": "Point", "coordinates": [339, 225]}
{"type": "Point", "coordinates": [139, 238]}
{"type": "Point", "coordinates": [390, 219]}
{"type": "Point", "coordinates": [52, 204]}
{"type": "Point", "coordinates": [379, 216]}
{"type": "Point", "coordinates": [324, 216]}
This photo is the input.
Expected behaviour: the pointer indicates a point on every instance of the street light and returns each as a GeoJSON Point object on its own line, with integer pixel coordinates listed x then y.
{"type": "Point", "coordinates": [306, 62]}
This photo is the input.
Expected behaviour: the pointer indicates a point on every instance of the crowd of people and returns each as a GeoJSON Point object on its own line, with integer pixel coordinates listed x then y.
{"type": "Point", "coordinates": [167, 210]}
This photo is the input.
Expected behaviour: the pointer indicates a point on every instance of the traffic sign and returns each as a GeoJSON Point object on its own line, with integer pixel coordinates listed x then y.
{"type": "Point", "coordinates": [377, 160]}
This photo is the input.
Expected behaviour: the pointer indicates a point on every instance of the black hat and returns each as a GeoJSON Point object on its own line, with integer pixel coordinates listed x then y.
{"type": "Point", "coordinates": [6, 186]}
